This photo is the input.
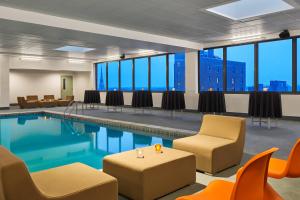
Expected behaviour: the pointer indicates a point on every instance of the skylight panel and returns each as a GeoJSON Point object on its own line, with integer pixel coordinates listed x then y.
{"type": "Point", "coordinates": [244, 9]}
{"type": "Point", "coordinates": [75, 49]}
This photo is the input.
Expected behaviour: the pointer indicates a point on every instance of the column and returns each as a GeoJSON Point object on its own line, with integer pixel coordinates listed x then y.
{"type": "Point", "coordinates": [4, 81]}
{"type": "Point", "coordinates": [191, 80]}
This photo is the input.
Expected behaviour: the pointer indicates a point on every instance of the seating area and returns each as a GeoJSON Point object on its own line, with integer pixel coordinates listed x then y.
{"type": "Point", "coordinates": [150, 100]}
{"type": "Point", "coordinates": [48, 101]}
{"type": "Point", "coordinates": [155, 171]}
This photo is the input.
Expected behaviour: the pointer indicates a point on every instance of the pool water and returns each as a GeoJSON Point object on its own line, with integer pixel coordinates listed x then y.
{"type": "Point", "coordinates": [44, 141]}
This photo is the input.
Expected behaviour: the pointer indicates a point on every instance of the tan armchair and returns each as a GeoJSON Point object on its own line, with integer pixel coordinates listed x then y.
{"type": "Point", "coordinates": [218, 145]}
{"type": "Point", "coordinates": [66, 101]}
{"type": "Point", "coordinates": [27, 104]}
{"type": "Point", "coordinates": [70, 182]}
{"type": "Point", "coordinates": [32, 98]}
{"type": "Point", "coordinates": [48, 101]}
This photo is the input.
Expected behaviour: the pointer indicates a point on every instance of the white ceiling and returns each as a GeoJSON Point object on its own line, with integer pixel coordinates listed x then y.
{"type": "Point", "coordinates": [180, 19]}
{"type": "Point", "coordinates": [36, 40]}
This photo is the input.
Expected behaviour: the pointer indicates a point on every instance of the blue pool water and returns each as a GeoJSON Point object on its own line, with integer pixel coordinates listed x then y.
{"type": "Point", "coordinates": [44, 141]}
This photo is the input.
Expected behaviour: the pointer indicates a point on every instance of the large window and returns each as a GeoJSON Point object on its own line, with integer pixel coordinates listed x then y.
{"type": "Point", "coordinates": [240, 68]}
{"type": "Point", "coordinates": [177, 72]}
{"type": "Point", "coordinates": [126, 75]}
{"type": "Point", "coordinates": [298, 64]}
{"type": "Point", "coordinates": [211, 69]}
{"type": "Point", "coordinates": [275, 66]}
{"type": "Point", "coordinates": [101, 76]}
{"type": "Point", "coordinates": [113, 75]}
{"type": "Point", "coordinates": [141, 73]}
{"type": "Point", "coordinates": [158, 73]}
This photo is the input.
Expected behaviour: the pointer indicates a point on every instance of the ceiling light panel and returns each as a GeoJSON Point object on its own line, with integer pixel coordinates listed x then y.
{"type": "Point", "coordinates": [76, 61]}
{"type": "Point", "coordinates": [244, 9]}
{"type": "Point", "coordinates": [31, 58]}
{"type": "Point", "coordinates": [74, 49]}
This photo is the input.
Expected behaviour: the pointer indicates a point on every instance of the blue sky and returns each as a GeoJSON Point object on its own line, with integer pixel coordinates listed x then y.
{"type": "Point", "coordinates": [244, 53]}
{"type": "Point", "coordinates": [126, 74]}
{"type": "Point", "coordinates": [275, 61]}
{"type": "Point", "coordinates": [113, 75]}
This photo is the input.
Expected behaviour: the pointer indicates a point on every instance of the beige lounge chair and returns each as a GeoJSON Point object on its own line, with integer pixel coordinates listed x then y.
{"type": "Point", "coordinates": [218, 145]}
{"type": "Point", "coordinates": [70, 182]}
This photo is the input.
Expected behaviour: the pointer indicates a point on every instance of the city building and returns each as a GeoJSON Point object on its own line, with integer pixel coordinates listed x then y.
{"type": "Point", "coordinates": [212, 73]}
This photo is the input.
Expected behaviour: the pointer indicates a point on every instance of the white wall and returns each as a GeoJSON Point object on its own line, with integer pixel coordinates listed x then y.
{"type": "Point", "coordinates": [82, 81]}
{"type": "Point", "coordinates": [36, 82]}
{"type": "Point", "coordinates": [43, 77]}
{"type": "Point", "coordinates": [127, 98]}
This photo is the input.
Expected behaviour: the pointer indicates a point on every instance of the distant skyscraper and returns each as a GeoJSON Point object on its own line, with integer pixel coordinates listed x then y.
{"type": "Point", "coordinates": [236, 76]}
{"type": "Point", "coordinates": [101, 82]}
{"type": "Point", "coordinates": [278, 86]}
{"type": "Point", "coordinates": [211, 71]}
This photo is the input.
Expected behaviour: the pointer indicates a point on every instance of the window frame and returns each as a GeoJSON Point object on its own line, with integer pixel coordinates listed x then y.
{"type": "Point", "coordinates": [224, 67]}
{"type": "Point", "coordinates": [133, 72]}
{"type": "Point", "coordinates": [96, 76]}
{"type": "Point", "coordinates": [292, 52]}
{"type": "Point", "coordinates": [119, 74]}
{"type": "Point", "coordinates": [167, 73]}
{"type": "Point", "coordinates": [148, 58]}
{"type": "Point", "coordinates": [256, 59]}
{"type": "Point", "coordinates": [255, 68]}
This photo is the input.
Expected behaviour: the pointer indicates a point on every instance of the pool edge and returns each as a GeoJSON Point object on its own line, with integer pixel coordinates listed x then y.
{"type": "Point", "coordinates": [134, 126]}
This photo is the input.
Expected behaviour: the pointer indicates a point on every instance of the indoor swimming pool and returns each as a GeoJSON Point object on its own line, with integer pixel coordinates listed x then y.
{"type": "Point", "coordinates": [44, 141]}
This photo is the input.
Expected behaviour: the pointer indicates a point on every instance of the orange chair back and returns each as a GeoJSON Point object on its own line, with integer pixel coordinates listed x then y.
{"type": "Point", "coordinates": [252, 177]}
{"type": "Point", "coordinates": [293, 162]}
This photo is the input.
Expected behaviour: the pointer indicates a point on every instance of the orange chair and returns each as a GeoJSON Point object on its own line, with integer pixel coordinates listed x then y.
{"type": "Point", "coordinates": [251, 183]}
{"type": "Point", "coordinates": [286, 168]}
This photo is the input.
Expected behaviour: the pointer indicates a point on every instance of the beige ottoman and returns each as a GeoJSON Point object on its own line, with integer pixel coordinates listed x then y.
{"type": "Point", "coordinates": [153, 176]}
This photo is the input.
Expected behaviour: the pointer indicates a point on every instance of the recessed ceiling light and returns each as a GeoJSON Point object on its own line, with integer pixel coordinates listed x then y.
{"type": "Point", "coordinates": [31, 58]}
{"type": "Point", "coordinates": [115, 57]}
{"type": "Point", "coordinates": [244, 9]}
{"type": "Point", "coordinates": [76, 61]}
{"type": "Point", "coordinates": [248, 38]}
{"type": "Point", "coordinates": [75, 49]}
